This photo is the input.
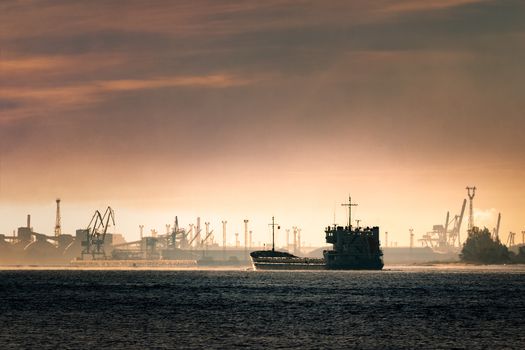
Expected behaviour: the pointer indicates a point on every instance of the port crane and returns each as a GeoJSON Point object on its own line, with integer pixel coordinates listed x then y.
{"type": "Point", "coordinates": [206, 238]}
{"type": "Point", "coordinates": [172, 241]}
{"type": "Point", "coordinates": [96, 234]}
{"type": "Point", "coordinates": [197, 235]}
{"type": "Point", "coordinates": [441, 237]}
{"type": "Point", "coordinates": [178, 238]}
{"type": "Point", "coordinates": [495, 232]}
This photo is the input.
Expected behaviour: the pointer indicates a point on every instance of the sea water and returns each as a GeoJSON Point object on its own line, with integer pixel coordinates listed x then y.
{"type": "Point", "coordinates": [397, 308]}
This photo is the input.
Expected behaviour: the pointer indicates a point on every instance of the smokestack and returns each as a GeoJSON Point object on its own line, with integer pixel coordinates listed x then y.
{"type": "Point", "coordinates": [224, 234]}
{"type": "Point", "coordinates": [245, 238]}
{"type": "Point", "coordinates": [386, 239]}
{"type": "Point", "coordinates": [207, 233]}
{"type": "Point", "coordinates": [141, 227]}
{"type": "Point", "coordinates": [29, 221]}
{"type": "Point", "coordinates": [198, 232]}
{"type": "Point", "coordinates": [224, 239]}
{"type": "Point", "coordinates": [191, 234]}
{"type": "Point", "coordinates": [58, 225]}
{"type": "Point", "coordinates": [287, 239]}
{"type": "Point", "coordinates": [294, 240]}
{"type": "Point", "coordinates": [250, 245]}
{"type": "Point", "coordinates": [299, 241]}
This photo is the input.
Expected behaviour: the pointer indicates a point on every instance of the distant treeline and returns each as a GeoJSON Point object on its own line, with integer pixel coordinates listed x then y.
{"type": "Point", "coordinates": [481, 248]}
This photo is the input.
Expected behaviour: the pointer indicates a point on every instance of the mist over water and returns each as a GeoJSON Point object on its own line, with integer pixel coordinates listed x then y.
{"type": "Point", "coordinates": [407, 308]}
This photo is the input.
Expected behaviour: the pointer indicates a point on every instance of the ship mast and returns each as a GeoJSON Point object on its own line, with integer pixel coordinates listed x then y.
{"type": "Point", "coordinates": [349, 205]}
{"type": "Point", "coordinates": [273, 232]}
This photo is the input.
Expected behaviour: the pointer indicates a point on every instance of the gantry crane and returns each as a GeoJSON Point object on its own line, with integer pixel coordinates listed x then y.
{"type": "Point", "coordinates": [96, 234]}
{"type": "Point", "coordinates": [442, 238]}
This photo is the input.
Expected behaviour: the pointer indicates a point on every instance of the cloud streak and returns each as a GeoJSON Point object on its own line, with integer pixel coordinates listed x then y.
{"type": "Point", "coordinates": [429, 5]}
{"type": "Point", "coordinates": [59, 98]}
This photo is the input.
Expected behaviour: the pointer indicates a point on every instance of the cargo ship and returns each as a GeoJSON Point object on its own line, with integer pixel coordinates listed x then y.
{"type": "Point", "coordinates": [352, 249]}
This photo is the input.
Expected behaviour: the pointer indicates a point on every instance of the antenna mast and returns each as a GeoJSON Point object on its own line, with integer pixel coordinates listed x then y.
{"type": "Point", "coordinates": [349, 205]}
{"type": "Point", "coordinates": [273, 232]}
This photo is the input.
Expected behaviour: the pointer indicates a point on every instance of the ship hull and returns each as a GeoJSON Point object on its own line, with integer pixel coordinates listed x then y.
{"type": "Point", "coordinates": [309, 264]}
{"type": "Point", "coordinates": [297, 264]}
{"type": "Point", "coordinates": [281, 266]}
{"type": "Point", "coordinates": [352, 262]}
{"type": "Point", "coordinates": [372, 266]}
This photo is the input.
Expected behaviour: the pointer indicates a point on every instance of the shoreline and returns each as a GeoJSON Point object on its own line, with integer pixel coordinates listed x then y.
{"type": "Point", "coordinates": [430, 266]}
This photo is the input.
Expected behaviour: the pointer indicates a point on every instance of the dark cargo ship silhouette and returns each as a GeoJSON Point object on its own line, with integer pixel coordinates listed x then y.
{"type": "Point", "coordinates": [353, 249]}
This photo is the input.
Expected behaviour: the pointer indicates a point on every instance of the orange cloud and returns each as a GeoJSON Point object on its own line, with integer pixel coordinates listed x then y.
{"type": "Point", "coordinates": [212, 81]}
{"type": "Point", "coordinates": [181, 19]}
{"type": "Point", "coordinates": [209, 18]}
{"type": "Point", "coordinates": [74, 96]}
{"type": "Point", "coordinates": [32, 64]}
{"type": "Point", "coordinates": [14, 66]}
{"type": "Point", "coordinates": [427, 5]}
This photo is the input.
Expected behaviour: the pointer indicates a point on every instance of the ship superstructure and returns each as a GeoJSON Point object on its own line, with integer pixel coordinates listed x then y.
{"type": "Point", "coordinates": [353, 249]}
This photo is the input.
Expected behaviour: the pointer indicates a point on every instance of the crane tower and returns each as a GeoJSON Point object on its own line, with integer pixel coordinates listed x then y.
{"type": "Point", "coordinates": [471, 192]}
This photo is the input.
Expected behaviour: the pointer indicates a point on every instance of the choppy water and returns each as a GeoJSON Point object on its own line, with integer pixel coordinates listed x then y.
{"type": "Point", "coordinates": [216, 309]}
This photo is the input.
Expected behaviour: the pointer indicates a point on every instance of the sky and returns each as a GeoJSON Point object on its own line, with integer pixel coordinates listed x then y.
{"type": "Point", "coordinates": [232, 110]}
